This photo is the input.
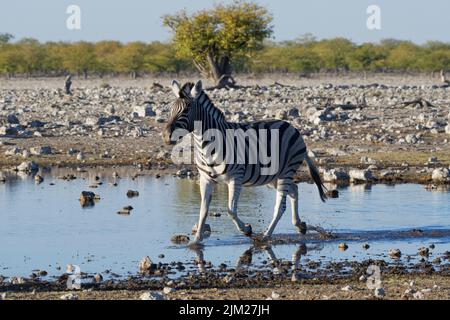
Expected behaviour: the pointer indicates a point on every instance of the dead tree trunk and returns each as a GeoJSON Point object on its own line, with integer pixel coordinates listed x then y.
{"type": "Point", "coordinates": [218, 69]}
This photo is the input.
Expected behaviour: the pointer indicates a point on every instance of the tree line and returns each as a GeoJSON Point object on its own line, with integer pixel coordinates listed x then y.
{"type": "Point", "coordinates": [304, 55]}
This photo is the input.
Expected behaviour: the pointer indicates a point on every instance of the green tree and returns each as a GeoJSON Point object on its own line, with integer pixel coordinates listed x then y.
{"type": "Point", "coordinates": [333, 53]}
{"type": "Point", "coordinates": [5, 37]}
{"type": "Point", "coordinates": [131, 58]}
{"type": "Point", "coordinates": [106, 53]}
{"type": "Point", "coordinates": [80, 58]}
{"type": "Point", "coordinates": [213, 38]}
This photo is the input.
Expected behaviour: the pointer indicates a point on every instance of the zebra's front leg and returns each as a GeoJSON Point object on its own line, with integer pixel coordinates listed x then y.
{"type": "Point", "coordinates": [206, 190]}
{"type": "Point", "coordinates": [280, 206]}
{"type": "Point", "coordinates": [234, 190]}
{"type": "Point", "coordinates": [293, 195]}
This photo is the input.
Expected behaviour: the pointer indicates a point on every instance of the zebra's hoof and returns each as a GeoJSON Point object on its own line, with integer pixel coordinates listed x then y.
{"type": "Point", "coordinates": [302, 228]}
{"type": "Point", "coordinates": [248, 230]}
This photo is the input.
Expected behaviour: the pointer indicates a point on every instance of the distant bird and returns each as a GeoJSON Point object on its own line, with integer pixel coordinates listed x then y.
{"type": "Point", "coordinates": [68, 83]}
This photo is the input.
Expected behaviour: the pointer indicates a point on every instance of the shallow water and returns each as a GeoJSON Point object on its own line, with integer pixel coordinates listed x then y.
{"type": "Point", "coordinates": [43, 227]}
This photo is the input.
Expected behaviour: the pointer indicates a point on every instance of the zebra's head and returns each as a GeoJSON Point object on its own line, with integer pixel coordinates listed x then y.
{"type": "Point", "coordinates": [181, 113]}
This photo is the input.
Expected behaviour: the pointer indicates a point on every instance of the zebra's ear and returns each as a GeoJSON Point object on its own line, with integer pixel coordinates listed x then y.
{"type": "Point", "coordinates": [176, 88]}
{"type": "Point", "coordinates": [197, 89]}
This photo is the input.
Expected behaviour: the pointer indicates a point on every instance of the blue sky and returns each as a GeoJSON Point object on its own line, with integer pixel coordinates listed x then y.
{"type": "Point", "coordinates": [130, 20]}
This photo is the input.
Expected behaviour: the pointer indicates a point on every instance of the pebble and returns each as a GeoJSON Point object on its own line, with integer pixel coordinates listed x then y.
{"type": "Point", "coordinates": [343, 246]}
{"type": "Point", "coordinates": [168, 290]}
{"type": "Point", "coordinates": [69, 296]}
{"type": "Point", "coordinates": [379, 292]}
{"type": "Point", "coordinates": [146, 265]}
{"type": "Point", "coordinates": [152, 295]}
{"type": "Point", "coordinates": [395, 253]}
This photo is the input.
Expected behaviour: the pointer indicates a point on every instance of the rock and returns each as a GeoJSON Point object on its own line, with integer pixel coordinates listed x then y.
{"type": "Point", "coordinates": [360, 175]}
{"type": "Point", "coordinates": [146, 266]}
{"type": "Point", "coordinates": [332, 194]}
{"type": "Point", "coordinates": [8, 131]}
{"type": "Point", "coordinates": [38, 179]}
{"type": "Point", "coordinates": [179, 239]}
{"type": "Point", "coordinates": [418, 295]}
{"type": "Point", "coordinates": [80, 156]}
{"type": "Point", "coordinates": [98, 278]}
{"type": "Point", "coordinates": [395, 253]}
{"type": "Point", "coordinates": [206, 229]}
{"type": "Point", "coordinates": [275, 295]}
{"type": "Point", "coordinates": [343, 246]}
{"type": "Point", "coordinates": [447, 129]}
{"type": "Point", "coordinates": [367, 161]}
{"type": "Point", "coordinates": [144, 111]}
{"type": "Point", "coordinates": [168, 290]}
{"type": "Point", "coordinates": [423, 251]}
{"type": "Point", "coordinates": [28, 166]}
{"type": "Point", "coordinates": [69, 296]}
{"type": "Point", "coordinates": [87, 198]}
{"type": "Point", "coordinates": [132, 193]}
{"type": "Point", "coordinates": [441, 175]}
{"type": "Point", "coordinates": [39, 151]}
{"type": "Point", "coordinates": [12, 119]}
{"type": "Point", "coordinates": [13, 151]}
{"type": "Point", "coordinates": [379, 292]}
{"type": "Point", "coordinates": [347, 288]}
{"type": "Point", "coordinates": [366, 246]}
{"type": "Point", "coordinates": [334, 175]}
{"type": "Point", "coordinates": [3, 296]}
{"type": "Point", "coordinates": [125, 210]}
{"type": "Point", "coordinates": [152, 295]}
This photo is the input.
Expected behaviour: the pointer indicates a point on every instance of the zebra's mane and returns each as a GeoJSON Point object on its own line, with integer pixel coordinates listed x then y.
{"type": "Point", "coordinates": [185, 92]}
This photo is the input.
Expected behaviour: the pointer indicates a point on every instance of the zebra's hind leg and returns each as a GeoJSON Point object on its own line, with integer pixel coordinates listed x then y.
{"type": "Point", "coordinates": [293, 195]}
{"type": "Point", "coordinates": [206, 190]}
{"type": "Point", "coordinates": [283, 187]}
{"type": "Point", "coordinates": [234, 190]}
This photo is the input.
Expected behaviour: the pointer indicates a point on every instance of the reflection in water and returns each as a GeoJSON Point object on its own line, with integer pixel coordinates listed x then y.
{"type": "Point", "coordinates": [43, 226]}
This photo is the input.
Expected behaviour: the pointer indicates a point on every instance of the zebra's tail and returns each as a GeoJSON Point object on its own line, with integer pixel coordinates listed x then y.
{"type": "Point", "coordinates": [316, 177]}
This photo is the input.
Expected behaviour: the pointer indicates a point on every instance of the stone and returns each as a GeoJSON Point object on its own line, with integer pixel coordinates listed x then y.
{"type": "Point", "coordinates": [347, 288]}
{"type": "Point", "coordinates": [13, 151]}
{"type": "Point", "coordinates": [423, 251]}
{"type": "Point", "coordinates": [28, 166]}
{"type": "Point", "coordinates": [179, 239]}
{"type": "Point", "coordinates": [357, 175]}
{"type": "Point", "coordinates": [38, 179]}
{"type": "Point", "coordinates": [152, 295]}
{"type": "Point", "coordinates": [98, 278]}
{"type": "Point", "coordinates": [168, 290]}
{"type": "Point", "coordinates": [335, 175]}
{"type": "Point", "coordinates": [69, 296]}
{"type": "Point", "coordinates": [379, 292]}
{"type": "Point", "coordinates": [87, 198]}
{"type": "Point", "coordinates": [144, 111]}
{"type": "Point", "coordinates": [275, 295]}
{"type": "Point", "coordinates": [395, 253]}
{"type": "Point", "coordinates": [447, 129]}
{"type": "Point", "coordinates": [80, 156]}
{"type": "Point", "coordinates": [146, 266]}
{"type": "Point", "coordinates": [343, 246]}
{"type": "Point", "coordinates": [441, 175]}
{"type": "Point", "coordinates": [132, 193]}
{"type": "Point", "coordinates": [12, 119]}
{"type": "Point", "coordinates": [39, 151]}
{"type": "Point", "coordinates": [332, 194]}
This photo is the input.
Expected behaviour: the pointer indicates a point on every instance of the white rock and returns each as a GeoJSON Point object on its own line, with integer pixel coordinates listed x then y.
{"type": "Point", "coordinates": [360, 175]}
{"type": "Point", "coordinates": [152, 295]}
{"type": "Point", "coordinates": [275, 295]}
{"type": "Point", "coordinates": [347, 288]}
{"type": "Point", "coordinates": [144, 111]}
{"type": "Point", "coordinates": [441, 175]}
{"type": "Point", "coordinates": [28, 166]}
{"type": "Point", "coordinates": [335, 175]}
{"type": "Point", "coordinates": [379, 292]}
{"type": "Point", "coordinates": [168, 290]}
{"type": "Point", "coordinates": [418, 295]}
{"type": "Point", "coordinates": [69, 296]}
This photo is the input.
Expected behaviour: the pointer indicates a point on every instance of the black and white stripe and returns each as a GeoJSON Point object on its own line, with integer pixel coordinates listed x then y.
{"type": "Point", "coordinates": [193, 105]}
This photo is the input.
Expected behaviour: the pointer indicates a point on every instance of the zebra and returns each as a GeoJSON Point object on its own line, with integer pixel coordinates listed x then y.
{"type": "Point", "coordinates": [193, 105]}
